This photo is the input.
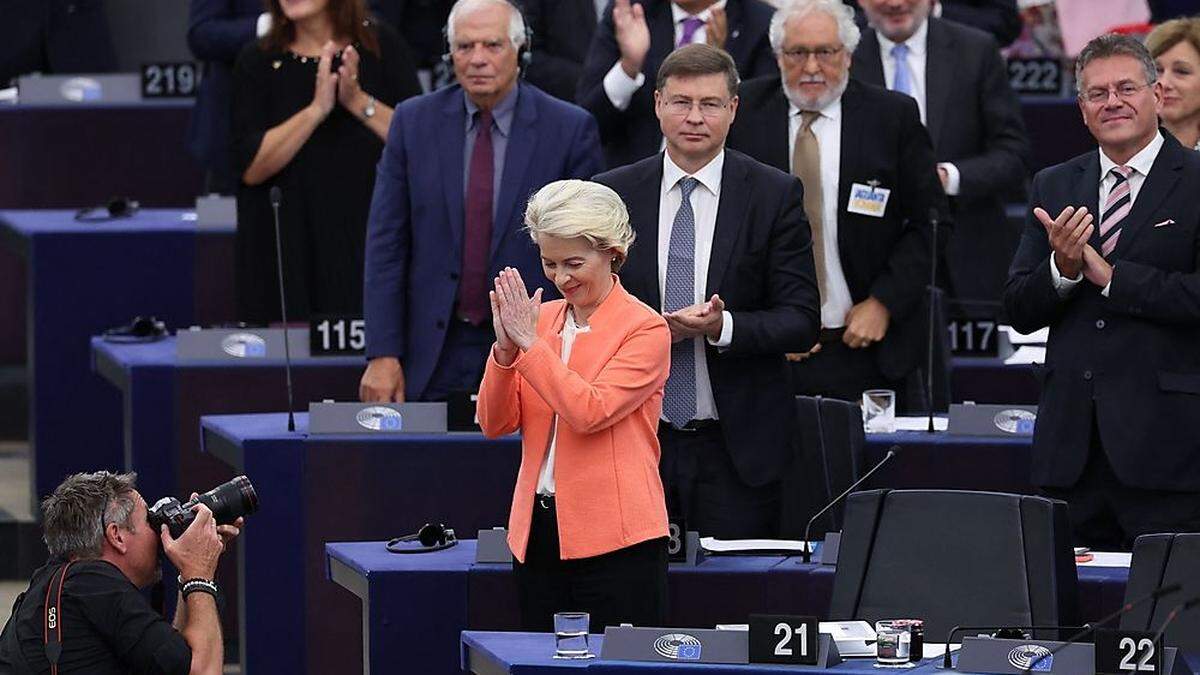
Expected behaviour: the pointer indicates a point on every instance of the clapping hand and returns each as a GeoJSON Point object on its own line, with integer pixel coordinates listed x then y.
{"type": "Point", "coordinates": [325, 91]}
{"type": "Point", "coordinates": [349, 93]}
{"type": "Point", "coordinates": [1068, 234]}
{"type": "Point", "coordinates": [516, 311]}
{"type": "Point", "coordinates": [632, 35]}
{"type": "Point", "coordinates": [705, 318]}
{"type": "Point", "coordinates": [717, 29]}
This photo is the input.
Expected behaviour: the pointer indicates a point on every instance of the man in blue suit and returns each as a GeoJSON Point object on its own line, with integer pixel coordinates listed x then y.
{"type": "Point", "coordinates": [449, 204]}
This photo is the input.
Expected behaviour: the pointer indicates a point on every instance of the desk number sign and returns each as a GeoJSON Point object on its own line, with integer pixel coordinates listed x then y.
{"type": "Point", "coordinates": [170, 80]}
{"type": "Point", "coordinates": [973, 337]}
{"type": "Point", "coordinates": [1036, 76]}
{"type": "Point", "coordinates": [1127, 652]}
{"type": "Point", "coordinates": [781, 638]}
{"type": "Point", "coordinates": [337, 335]}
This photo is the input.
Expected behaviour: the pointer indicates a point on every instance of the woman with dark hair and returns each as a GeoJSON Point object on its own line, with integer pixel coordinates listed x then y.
{"type": "Point", "coordinates": [311, 107]}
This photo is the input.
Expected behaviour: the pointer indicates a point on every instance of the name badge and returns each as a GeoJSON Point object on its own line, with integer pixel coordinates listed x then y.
{"type": "Point", "coordinates": [868, 200]}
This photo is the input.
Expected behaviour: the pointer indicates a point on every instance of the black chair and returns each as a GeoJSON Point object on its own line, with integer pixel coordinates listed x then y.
{"type": "Point", "coordinates": [956, 558]}
{"type": "Point", "coordinates": [1160, 559]}
{"type": "Point", "coordinates": [827, 458]}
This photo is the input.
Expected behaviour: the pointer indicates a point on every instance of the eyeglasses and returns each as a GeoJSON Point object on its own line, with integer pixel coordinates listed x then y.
{"type": "Point", "coordinates": [490, 46]}
{"type": "Point", "coordinates": [799, 55]}
{"type": "Point", "coordinates": [709, 107]}
{"type": "Point", "coordinates": [1124, 91]}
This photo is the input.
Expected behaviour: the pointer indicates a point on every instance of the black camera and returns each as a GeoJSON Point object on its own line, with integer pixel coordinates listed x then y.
{"type": "Point", "coordinates": [227, 502]}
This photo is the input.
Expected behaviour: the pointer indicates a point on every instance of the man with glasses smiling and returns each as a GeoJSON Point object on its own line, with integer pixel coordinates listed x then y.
{"type": "Point", "coordinates": [725, 254]}
{"type": "Point", "coordinates": [1108, 260]}
{"type": "Point", "coordinates": [869, 184]}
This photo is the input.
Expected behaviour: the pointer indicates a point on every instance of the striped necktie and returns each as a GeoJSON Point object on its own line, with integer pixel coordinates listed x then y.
{"type": "Point", "coordinates": [1116, 207]}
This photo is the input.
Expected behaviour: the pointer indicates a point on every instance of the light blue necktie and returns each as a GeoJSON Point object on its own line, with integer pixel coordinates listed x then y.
{"type": "Point", "coordinates": [679, 395]}
{"type": "Point", "coordinates": [903, 81]}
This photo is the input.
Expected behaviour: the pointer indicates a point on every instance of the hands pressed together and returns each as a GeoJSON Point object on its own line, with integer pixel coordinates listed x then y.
{"type": "Point", "coordinates": [341, 87]}
{"type": "Point", "coordinates": [514, 315]}
{"type": "Point", "coordinates": [1068, 235]}
{"type": "Point", "coordinates": [703, 319]}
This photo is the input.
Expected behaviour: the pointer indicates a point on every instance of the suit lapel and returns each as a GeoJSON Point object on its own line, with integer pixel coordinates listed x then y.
{"type": "Point", "coordinates": [775, 131]}
{"type": "Point", "coordinates": [642, 202]}
{"type": "Point", "coordinates": [867, 64]}
{"type": "Point", "coordinates": [731, 215]}
{"type": "Point", "coordinates": [1088, 194]}
{"type": "Point", "coordinates": [452, 141]}
{"type": "Point", "coordinates": [514, 183]}
{"type": "Point", "coordinates": [852, 126]}
{"type": "Point", "coordinates": [734, 44]}
{"type": "Point", "coordinates": [939, 76]}
{"type": "Point", "coordinates": [1164, 175]}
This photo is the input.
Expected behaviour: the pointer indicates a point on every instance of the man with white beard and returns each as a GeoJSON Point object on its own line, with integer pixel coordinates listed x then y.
{"type": "Point", "coordinates": [870, 183]}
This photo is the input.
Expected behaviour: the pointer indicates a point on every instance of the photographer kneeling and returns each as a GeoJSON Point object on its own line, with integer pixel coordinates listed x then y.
{"type": "Point", "coordinates": [97, 531]}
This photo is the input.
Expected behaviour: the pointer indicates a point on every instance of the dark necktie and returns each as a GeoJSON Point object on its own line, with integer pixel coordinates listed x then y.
{"type": "Point", "coordinates": [477, 237]}
{"type": "Point", "coordinates": [679, 395]}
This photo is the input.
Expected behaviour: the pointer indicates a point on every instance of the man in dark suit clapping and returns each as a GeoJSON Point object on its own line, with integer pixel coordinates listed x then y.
{"type": "Point", "coordinates": [869, 185]}
{"type": "Point", "coordinates": [634, 38]}
{"type": "Point", "coordinates": [724, 252]}
{"type": "Point", "coordinates": [1109, 261]}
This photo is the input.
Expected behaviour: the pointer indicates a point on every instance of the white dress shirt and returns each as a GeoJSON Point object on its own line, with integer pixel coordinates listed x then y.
{"type": "Point", "coordinates": [620, 87]}
{"type": "Point", "coordinates": [1141, 163]}
{"type": "Point", "coordinates": [828, 129]}
{"type": "Point", "coordinates": [545, 484]}
{"type": "Point", "coordinates": [917, 56]}
{"type": "Point", "coordinates": [705, 199]}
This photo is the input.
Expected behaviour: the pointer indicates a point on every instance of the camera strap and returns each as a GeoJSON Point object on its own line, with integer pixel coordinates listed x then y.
{"type": "Point", "coordinates": [52, 626]}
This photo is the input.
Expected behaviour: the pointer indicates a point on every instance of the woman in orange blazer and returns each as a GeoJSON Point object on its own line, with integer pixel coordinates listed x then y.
{"type": "Point", "coordinates": [581, 379]}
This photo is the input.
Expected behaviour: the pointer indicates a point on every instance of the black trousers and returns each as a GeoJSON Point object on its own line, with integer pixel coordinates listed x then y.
{"type": "Point", "coordinates": [464, 356]}
{"type": "Point", "coordinates": [1107, 515]}
{"type": "Point", "coordinates": [705, 491]}
{"type": "Point", "coordinates": [838, 371]}
{"type": "Point", "coordinates": [628, 585]}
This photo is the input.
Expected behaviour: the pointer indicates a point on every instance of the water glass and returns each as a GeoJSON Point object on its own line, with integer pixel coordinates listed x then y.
{"type": "Point", "coordinates": [571, 635]}
{"type": "Point", "coordinates": [879, 411]}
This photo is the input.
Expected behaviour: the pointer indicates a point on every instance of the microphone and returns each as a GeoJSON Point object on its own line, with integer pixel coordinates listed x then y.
{"type": "Point", "coordinates": [807, 553]}
{"type": "Point", "coordinates": [1175, 611]}
{"type": "Point", "coordinates": [1089, 628]}
{"type": "Point", "coordinates": [958, 629]}
{"type": "Point", "coordinates": [933, 222]}
{"type": "Point", "coordinates": [276, 200]}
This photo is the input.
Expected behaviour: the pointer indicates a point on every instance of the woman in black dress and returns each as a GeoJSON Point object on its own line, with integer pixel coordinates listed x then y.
{"type": "Point", "coordinates": [311, 107]}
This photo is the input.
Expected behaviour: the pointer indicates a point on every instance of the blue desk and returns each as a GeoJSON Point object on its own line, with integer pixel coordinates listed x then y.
{"type": "Point", "coordinates": [329, 488]}
{"type": "Point", "coordinates": [399, 625]}
{"type": "Point", "coordinates": [83, 278]}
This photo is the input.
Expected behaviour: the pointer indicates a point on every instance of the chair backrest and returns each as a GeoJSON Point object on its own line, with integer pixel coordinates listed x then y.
{"type": "Point", "coordinates": [1160, 559]}
{"type": "Point", "coordinates": [827, 458]}
{"type": "Point", "coordinates": [956, 558]}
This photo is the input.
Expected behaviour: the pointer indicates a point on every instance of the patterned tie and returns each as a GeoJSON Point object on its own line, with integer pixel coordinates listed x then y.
{"type": "Point", "coordinates": [679, 395]}
{"type": "Point", "coordinates": [690, 26]}
{"type": "Point", "coordinates": [806, 165]}
{"type": "Point", "coordinates": [477, 238]}
{"type": "Point", "coordinates": [1116, 207]}
{"type": "Point", "coordinates": [903, 81]}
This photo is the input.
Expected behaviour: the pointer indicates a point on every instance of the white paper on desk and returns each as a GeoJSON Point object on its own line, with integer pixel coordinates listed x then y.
{"type": "Point", "coordinates": [1108, 559]}
{"type": "Point", "coordinates": [752, 545]}
{"type": "Point", "coordinates": [921, 423]}
{"type": "Point", "coordinates": [1037, 337]}
{"type": "Point", "coordinates": [1025, 355]}
{"type": "Point", "coordinates": [932, 650]}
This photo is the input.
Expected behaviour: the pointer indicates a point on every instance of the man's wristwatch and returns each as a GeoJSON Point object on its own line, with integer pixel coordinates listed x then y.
{"type": "Point", "coordinates": [369, 108]}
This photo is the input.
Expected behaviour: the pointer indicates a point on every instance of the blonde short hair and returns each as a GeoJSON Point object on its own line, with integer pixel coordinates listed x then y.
{"type": "Point", "coordinates": [1168, 34]}
{"type": "Point", "coordinates": [578, 208]}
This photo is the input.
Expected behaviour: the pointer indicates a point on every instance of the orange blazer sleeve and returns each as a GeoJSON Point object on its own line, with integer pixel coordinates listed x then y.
{"type": "Point", "coordinates": [639, 367]}
{"type": "Point", "coordinates": [499, 403]}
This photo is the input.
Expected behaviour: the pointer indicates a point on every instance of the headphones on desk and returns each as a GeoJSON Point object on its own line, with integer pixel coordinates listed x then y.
{"type": "Point", "coordinates": [140, 329]}
{"type": "Point", "coordinates": [117, 207]}
{"type": "Point", "coordinates": [524, 52]}
{"type": "Point", "coordinates": [431, 537]}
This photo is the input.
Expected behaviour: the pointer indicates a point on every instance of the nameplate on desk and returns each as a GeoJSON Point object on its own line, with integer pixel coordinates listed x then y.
{"type": "Point", "coordinates": [239, 344]}
{"type": "Point", "coordinates": [491, 546]}
{"type": "Point", "coordinates": [992, 420]}
{"type": "Point", "coordinates": [675, 645]}
{"type": "Point", "coordinates": [84, 89]}
{"type": "Point", "coordinates": [216, 211]}
{"type": "Point", "coordinates": [376, 418]}
{"type": "Point", "coordinates": [994, 655]}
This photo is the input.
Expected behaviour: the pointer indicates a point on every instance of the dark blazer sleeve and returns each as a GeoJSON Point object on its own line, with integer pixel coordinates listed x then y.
{"type": "Point", "coordinates": [216, 32]}
{"type": "Point", "coordinates": [585, 158]}
{"type": "Point", "coordinates": [901, 284]}
{"type": "Point", "coordinates": [998, 17]}
{"type": "Point", "coordinates": [1002, 164]}
{"type": "Point", "coordinates": [1030, 298]}
{"type": "Point", "coordinates": [1153, 294]}
{"type": "Point", "coordinates": [790, 317]}
{"type": "Point", "coordinates": [385, 295]}
{"type": "Point", "coordinates": [601, 56]}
